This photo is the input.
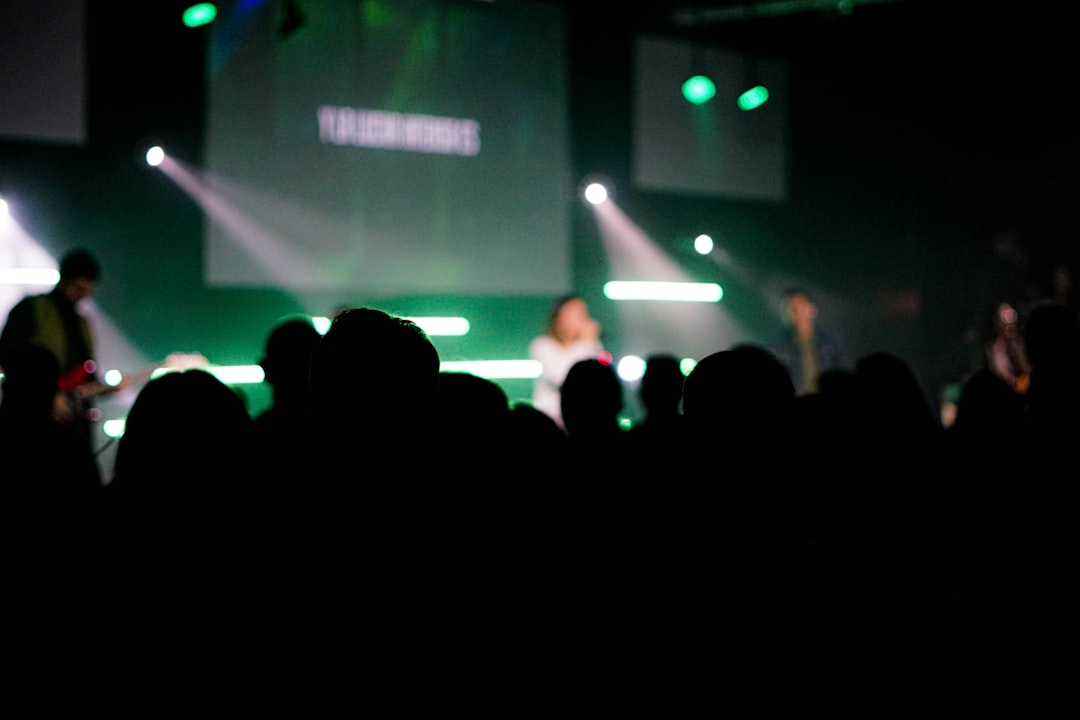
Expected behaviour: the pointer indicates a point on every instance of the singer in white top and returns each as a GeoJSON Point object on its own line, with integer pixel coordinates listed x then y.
{"type": "Point", "coordinates": [571, 335]}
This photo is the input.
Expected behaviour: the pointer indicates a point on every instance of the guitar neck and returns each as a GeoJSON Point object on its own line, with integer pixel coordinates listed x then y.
{"type": "Point", "coordinates": [81, 384]}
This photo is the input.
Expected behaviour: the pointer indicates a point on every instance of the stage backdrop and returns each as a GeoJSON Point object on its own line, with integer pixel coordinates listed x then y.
{"type": "Point", "coordinates": [389, 148]}
{"type": "Point", "coordinates": [43, 71]}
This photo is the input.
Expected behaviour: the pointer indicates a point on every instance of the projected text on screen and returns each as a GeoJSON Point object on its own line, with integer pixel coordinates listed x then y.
{"type": "Point", "coordinates": [349, 153]}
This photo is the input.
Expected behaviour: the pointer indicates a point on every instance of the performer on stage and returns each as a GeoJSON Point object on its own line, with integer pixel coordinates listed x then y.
{"type": "Point", "coordinates": [805, 346]}
{"type": "Point", "coordinates": [571, 335]}
{"type": "Point", "coordinates": [53, 321]}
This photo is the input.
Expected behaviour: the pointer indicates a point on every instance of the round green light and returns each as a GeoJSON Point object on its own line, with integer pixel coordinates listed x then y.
{"type": "Point", "coordinates": [753, 98]}
{"type": "Point", "coordinates": [200, 14]}
{"type": "Point", "coordinates": [698, 89]}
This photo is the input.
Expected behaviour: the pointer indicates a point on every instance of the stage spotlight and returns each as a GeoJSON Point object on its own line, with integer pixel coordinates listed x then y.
{"type": "Point", "coordinates": [596, 193]}
{"type": "Point", "coordinates": [631, 368]}
{"type": "Point", "coordinates": [703, 244]}
{"type": "Point", "coordinates": [114, 428]}
{"type": "Point", "coordinates": [698, 89]}
{"type": "Point", "coordinates": [596, 188]}
{"type": "Point", "coordinates": [155, 156]}
{"type": "Point", "coordinates": [4, 208]}
{"type": "Point", "coordinates": [200, 14]}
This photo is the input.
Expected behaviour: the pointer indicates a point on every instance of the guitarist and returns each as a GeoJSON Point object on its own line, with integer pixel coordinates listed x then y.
{"type": "Point", "coordinates": [52, 320]}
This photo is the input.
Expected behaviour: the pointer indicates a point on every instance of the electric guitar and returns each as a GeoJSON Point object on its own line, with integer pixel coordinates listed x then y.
{"type": "Point", "coordinates": [78, 386]}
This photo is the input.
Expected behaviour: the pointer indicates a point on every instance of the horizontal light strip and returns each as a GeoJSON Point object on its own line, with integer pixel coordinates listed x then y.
{"type": "Point", "coordinates": [238, 374]}
{"type": "Point", "coordinates": [430, 325]}
{"type": "Point", "coordinates": [29, 276]}
{"type": "Point", "coordinates": [669, 291]}
{"type": "Point", "coordinates": [442, 325]}
{"type": "Point", "coordinates": [496, 369]}
{"type": "Point", "coordinates": [228, 374]}
{"type": "Point", "coordinates": [249, 374]}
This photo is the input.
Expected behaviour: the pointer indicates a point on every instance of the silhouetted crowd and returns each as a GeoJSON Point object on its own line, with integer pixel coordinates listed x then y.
{"type": "Point", "coordinates": [381, 500]}
{"type": "Point", "coordinates": [363, 413]}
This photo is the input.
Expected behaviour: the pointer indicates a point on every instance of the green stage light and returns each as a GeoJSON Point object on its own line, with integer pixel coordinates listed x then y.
{"type": "Point", "coordinates": [200, 14]}
{"type": "Point", "coordinates": [698, 89]}
{"type": "Point", "coordinates": [755, 97]}
{"type": "Point", "coordinates": [114, 428]}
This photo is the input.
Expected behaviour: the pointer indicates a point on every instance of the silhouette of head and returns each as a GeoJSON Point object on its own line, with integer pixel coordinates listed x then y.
{"type": "Point", "coordinates": [79, 275]}
{"type": "Point", "coordinates": [374, 371]}
{"type": "Point", "coordinates": [287, 354]}
{"type": "Point", "coordinates": [742, 389]}
{"type": "Point", "coordinates": [186, 433]}
{"type": "Point", "coordinates": [470, 408]}
{"type": "Point", "coordinates": [31, 374]}
{"type": "Point", "coordinates": [1052, 337]}
{"type": "Point", "coordinates": [661, 385]}
{"type": "Point", "coordinates": [591, 397]}
{"type": "Point", "coordinates": [890, 399]}
{"type": "Point", "coordinates": [80, 264]}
